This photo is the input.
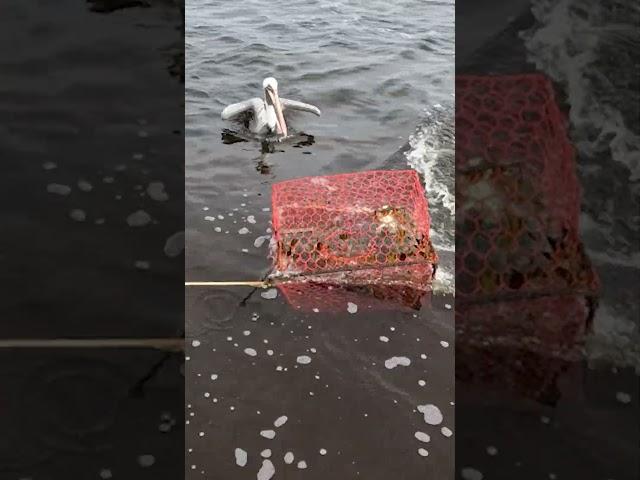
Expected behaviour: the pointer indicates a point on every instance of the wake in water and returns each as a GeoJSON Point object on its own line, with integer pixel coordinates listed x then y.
{"type": "Point", "coordinates": [588, 46]}
{"type": "Point", "coordinates": [432, 154]}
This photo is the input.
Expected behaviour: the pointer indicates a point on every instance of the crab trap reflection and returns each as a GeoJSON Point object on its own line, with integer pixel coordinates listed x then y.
{"type": "Point", "coordinates": [357, 237]}
{"type": "Point", "coordinates": [526, 290]}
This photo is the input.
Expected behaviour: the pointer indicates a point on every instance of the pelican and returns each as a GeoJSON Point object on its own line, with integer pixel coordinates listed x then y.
{"type": "Point", "coordinates": [265, 116]}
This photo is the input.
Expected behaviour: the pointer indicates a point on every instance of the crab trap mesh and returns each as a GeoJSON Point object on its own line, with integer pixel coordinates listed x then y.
{"type": "Point", "coordinates": [524, 284]}
{"type": "Point", "coordinates": [343, 236]}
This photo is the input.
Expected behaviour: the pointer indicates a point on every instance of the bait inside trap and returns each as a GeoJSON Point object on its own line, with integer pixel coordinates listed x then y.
{"type": "Point", "coordinates": [342, 236]}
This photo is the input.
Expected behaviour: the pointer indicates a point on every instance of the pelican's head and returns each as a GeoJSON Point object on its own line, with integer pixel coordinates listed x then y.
{"type": "Point", "coordinates": [275, 117]}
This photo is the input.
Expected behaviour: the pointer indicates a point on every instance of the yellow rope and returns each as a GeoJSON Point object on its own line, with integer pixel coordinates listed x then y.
{"type": "Point", "coordinates": [174, 344]}
{"type": "Point", "coordinates": [257, 284]}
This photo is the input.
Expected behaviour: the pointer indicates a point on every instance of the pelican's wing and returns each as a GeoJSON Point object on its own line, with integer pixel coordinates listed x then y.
{"type": "Point", "coordinates": [249, 106]}
{"type": "Point", "coordinates": [295, 105]}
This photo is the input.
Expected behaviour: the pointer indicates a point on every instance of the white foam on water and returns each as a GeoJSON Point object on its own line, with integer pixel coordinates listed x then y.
{"type": "Point", "coordinates": [139, 218]}
{"type": "Point", "coordinates": [469, 473]}
{"type": "Point", "coordinates": [595, 117]}
{"type": "Point", "coordinates": [251, 219]}
{"type": "Point", "coordinates": [270, 434]}
{"type": "Point", "coordinates": [84, 186]}
{"type": "Point", "coordinates": [258, 242]}
{"type": "Point", "coordinates": [352, 307]}
{"type": "Point", "coordinates": [280, 421]}
{"type": "Point", "coordinates": [209, 218]}
{"type": "Point", "coordinates": [288, 458]}
{"type": "Point", "coordinates": [491, 450]}
{"type": "Point", "coordinates": [243, 231]}
{"type": "Point", "coordinates": [423, 452]}
{"type": "Point", "coordinates": [431, 154]}
{"type": "Point", "coordinates": [302, 464]}
{"type": "Point", "coordinates": [303, 359]}
{"type": "Point", "coordinates": [241, 457]}
{"type": "Point", "coordinates": [251, 352]}
{"type": "Point", "coordinates": [214, 376]}
{"type": "Point", "coordinates": [423, 437]}
{"type": "Point", "coordinates": [623, 397]}
{"type": "Point", "coordinates": [432, 414]}
{"type": "Point", "coordinates": [444, 344]}
{"type": "Point", "coordinates": [59, 189]}
{"type": "Point", "coordinates": [446, 431]}
{"type": "Point", "coordinates": [424, 155]}
{"type": "Point", "coordinates": [384, 339]}
{"type": "Point", "coordinates": [146, 460]}
{"type": "Point", "coordinates": [195, 343]}
{"type": "Point", "coordinates": [269, 294]}
{"type": "Point", "coordinates": [78, 215]}
{"type": "Point", "coordinates": [444, 281]}
{"type": "Point", "coordinates": [156, 192]}
{"type": "Point", "coordinates": [174, 244]}
{"type": "Point", "coordinates": [265, 453]}
{"type": "Point", "coordinates": [393, 362]}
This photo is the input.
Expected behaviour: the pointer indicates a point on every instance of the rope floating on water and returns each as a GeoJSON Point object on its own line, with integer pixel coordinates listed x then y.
{"type": "Point", "coordinates": [171, 344]}
{"type": "Point", "coordinates": [255, 284]}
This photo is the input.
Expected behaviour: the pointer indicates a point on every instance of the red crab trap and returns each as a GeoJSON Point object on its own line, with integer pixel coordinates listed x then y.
{"type": "Point", "coordinates": [351, 238]}
{"type": "Point", "coordinates": [526, 290]}
{"type": "Point", "coordinates": [354, 237]}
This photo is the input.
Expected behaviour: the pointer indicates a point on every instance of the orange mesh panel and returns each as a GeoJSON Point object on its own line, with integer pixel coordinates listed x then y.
{"type": "Point", "coordinates": [340, 223]}
{"type": "Point", "coordinates": [523, 280]}
{"type": "Point", "coordinates": [517, 193]}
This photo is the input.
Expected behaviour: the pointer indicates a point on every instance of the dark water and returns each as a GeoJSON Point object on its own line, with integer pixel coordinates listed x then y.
{"type": "Point", "coordinates": [377, 71]}
{"type": "Point", "coordinates": [90, 116]}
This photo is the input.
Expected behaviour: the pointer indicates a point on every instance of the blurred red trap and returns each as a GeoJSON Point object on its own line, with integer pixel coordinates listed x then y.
{"type": "Point", "coordinates": [346, 237]}
{"type": "Point", "coordinates": [525, 287]}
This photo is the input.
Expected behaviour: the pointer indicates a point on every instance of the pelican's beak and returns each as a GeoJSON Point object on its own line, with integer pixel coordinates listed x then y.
{"type": "Point", "coordinates": [281, 125]}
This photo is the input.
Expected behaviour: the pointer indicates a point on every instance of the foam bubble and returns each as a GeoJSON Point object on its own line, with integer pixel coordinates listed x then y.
{"type": "Point", "coordinates": [139, 218]}
{"type": "Point", "coordinates": [393, 362]}
{"type": "Point", "coordinates": [303, 359]}
{"type": "Point", "coordinates": [269, 294]}
{"type": "Point", "coordinates": [241, 457]}
{"type": "Point", "coordinates": [432, 414]}
{"type": "Point", "coordinates": [59, 189]}
{"type": "Point", "coordinates": [281, 421]}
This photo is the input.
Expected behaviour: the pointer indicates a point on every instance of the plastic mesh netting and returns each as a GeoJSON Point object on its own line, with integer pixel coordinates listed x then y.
{"type": "Point", "coordinates": [517, 194]}
{"type": "Point", "coordinates": [366, 230]}
{"type": "Point", "coordinates": [525, 288]}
